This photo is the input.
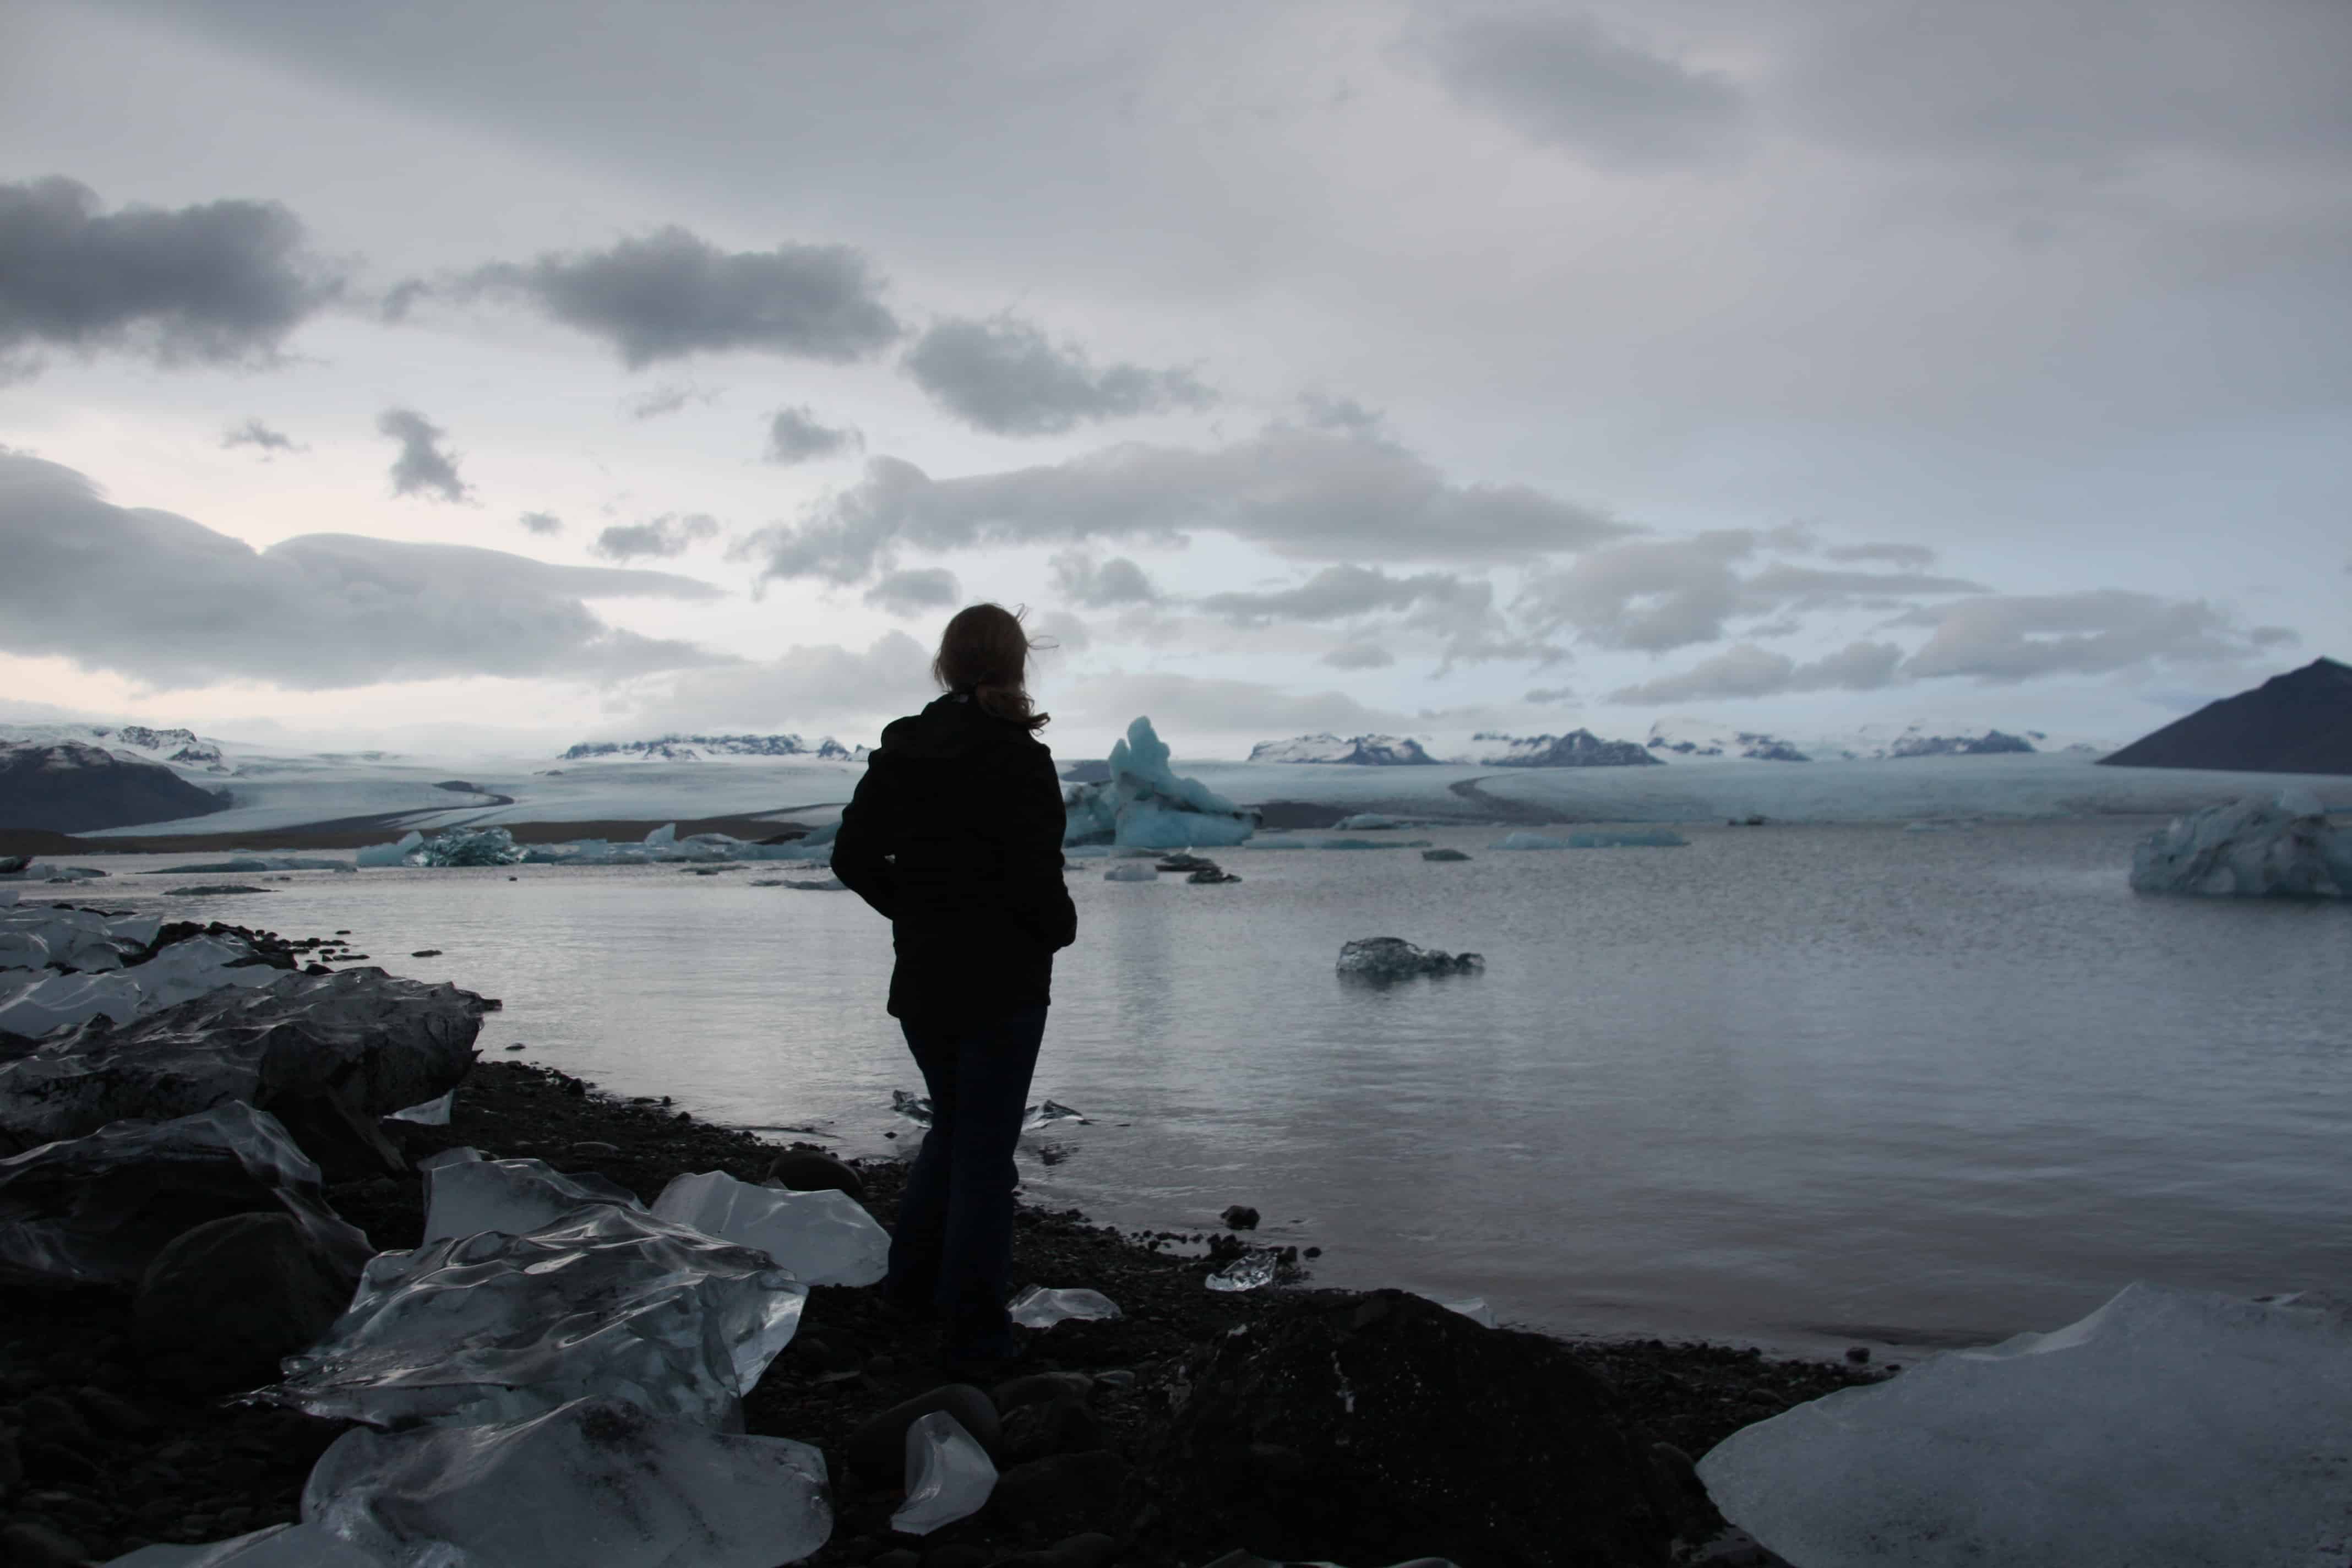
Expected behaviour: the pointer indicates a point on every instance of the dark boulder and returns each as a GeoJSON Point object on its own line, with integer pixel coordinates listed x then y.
{"type": "Point", "coordinates": [224, 1302]}
{"type": "Point", "coordinates": [1040, 1430]}
{"type": "Point", "coordinates": [1064, 1493]}
{"type": "Point", "coordinates": [66, 786]}
{"type": "Point", "coordinates": [1369, 1428]}
{"type": "Point", "coordinates": [808, 1171]}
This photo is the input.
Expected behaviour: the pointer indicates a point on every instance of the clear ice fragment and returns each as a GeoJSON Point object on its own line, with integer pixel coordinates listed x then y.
{"type": "Point", "coordinates": [1252, 1270]}
{"type": "Point", "coordinates": [1039, 1308]}
{"type": "Point", "coordinates": [279, 1546]}
{"type": "Point", "coordinates": [431, 1113]}
{"type": "Point", "coordinates": [596, 1483]}
{"type": "Point", "coordinates": [470, 1197]}
{"type": "Point", "coordinates": [824, 1237]}
{"type": "Point", "coordinates": [605, 1301]}
{"type": "Point", "coordinates": [949, 1475]}
{"type": "Point", "coordinates": [2169, 1428]}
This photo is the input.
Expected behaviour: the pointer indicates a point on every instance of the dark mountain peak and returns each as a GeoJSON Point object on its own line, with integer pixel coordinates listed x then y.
{"type": "Point", "coordinates": [2296, 722]}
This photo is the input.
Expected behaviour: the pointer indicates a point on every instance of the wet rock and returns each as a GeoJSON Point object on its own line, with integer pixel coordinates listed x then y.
{"type": "Point", "coordinates": [595, 1149]}
{"type": "Point", "coordinates": [29, 1544]}
{"type": "Point", "coordinates": [1240, 1217]}
{"type": "Point", "coordinates": [807, 1171]}
{"type": "Point", "coordinates": [1046, 1428]}
{"type": "Point", "coordinates": [1014, 1392]}
{"type": "Point", "coordinates": [876, 1451]}
{"type": "Point", "coordinates": [1387, 958]}
{"type": "Point", "coordinates": [957, 1555]}
{"type": "Point", "coordinates": [1210, 876]}
{"type": "Point", "coordinates": [222, 1304]}
{"type": "Point", "coordinates": [1352, 1428]}
{"type": "Point", "coordinates": [1444, 855]}
{"type": "Point", "coordinates": [1092, 1549]}
{"type": "Point", "coordinates": [1064, 1494]}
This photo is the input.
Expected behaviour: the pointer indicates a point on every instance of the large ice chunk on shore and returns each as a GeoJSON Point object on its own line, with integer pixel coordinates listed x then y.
{"type": "Point", "coordinates": [467, 1197]}
{"type": "Point", "coordinates": [374, 1042]}
{"type": "Point", "coordinates": [97, 1210]}
{"type": "Point", "coordinates": [1145, 805]}
{"type": "Point", "coordinates": [595, 1482]}
{"type": "Point", "coordinates": [949, 1475]}
{"type": "Point", "coordinates": [2169, 1428]}
{"type": "Point", "coordinates": [823, 1237]}
{"type": "Point", "coordinates": [607, 1301]}
{"type": "Point", "coordinates": [2282, 846]}
{"type": "Point", "coordinates": [279, 1546]}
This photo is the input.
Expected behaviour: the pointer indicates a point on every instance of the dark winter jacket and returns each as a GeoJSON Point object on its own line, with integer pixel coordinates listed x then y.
{"type": "Point", "coordinates": [955, 834]}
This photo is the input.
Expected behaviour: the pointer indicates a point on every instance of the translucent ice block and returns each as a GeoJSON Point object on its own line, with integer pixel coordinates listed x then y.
{"type": "Point", "coordinates": [823, 1237]}
{"type": "Point", "coordinates": [949, 1475]}
{"type": "Point", "coordinates": [1038, 1308]}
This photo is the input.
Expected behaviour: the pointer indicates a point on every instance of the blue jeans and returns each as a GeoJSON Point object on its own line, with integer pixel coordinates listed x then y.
{"type": "Point", "coordinates": [952, 1248]}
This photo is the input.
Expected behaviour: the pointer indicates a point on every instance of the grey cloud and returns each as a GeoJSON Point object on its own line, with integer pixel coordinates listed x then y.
{"type": "Point", "coordinates": [671, 293]}
{"type": "Point", "coordinates": [223, 283]}
{"type": "Point", "coordinates": [795, 437]}
{"type": "Point", "coordinates": [262, 438]}
{"type": "Point", "coordinates": [1100, 586]}
{"type": "Point", "coordinates": [541, 522]}
{"type": "Point", "coordinates": [1338, 592]}
{"type": "Point", "coordinates": [422, 466]}
{"type": "Point", "coordinates": [168, 602]}
{"type": "Point", "coordinates": [1066, 632]}
{"type": "Point", "coordinates": [1299, 492]}
{"type": "Point", "coordinates": [1655, 596]}
{"type": "Point", "coordinates": [1004, 377]}
{"type": "Point", "coordinates": [1914, 557]}
{"type": "Point", "coordinates": [663, 538]}
{"type": "Point", "coordinates": [2005, 638]}
{"type": "Point", "coordinates": [1746, 670]}
{"type": "Point", "coordinates": [1544, 696]}
{"type": "Point", "coordinates": [666, 400]}
{"type": "Point", "coordinates": [804, 686]}
{"type": "Point", "coordinates": [1180, 703]}
{"type": "Point", "coordinates": [915, 591]}
{"type": "Point", "coordinates": [1557, 77]}
{"type": "Point", "coordinates": [1323, 412]}
{"type": "Point", "coordinates": [1359, 655]}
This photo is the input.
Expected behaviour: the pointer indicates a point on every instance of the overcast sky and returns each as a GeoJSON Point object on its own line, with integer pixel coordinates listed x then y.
{"type": "Point", "coordinates": [1793, 363]}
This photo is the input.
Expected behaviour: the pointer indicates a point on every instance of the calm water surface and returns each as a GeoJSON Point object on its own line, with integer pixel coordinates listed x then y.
{"type": "Point", "coordinates": [1792, 1086]}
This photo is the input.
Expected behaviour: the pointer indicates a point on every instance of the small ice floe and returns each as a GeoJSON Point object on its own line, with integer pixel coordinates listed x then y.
{"type": "Point", "coordinates": [2279, 848]}
{"type": "Point", "coordinates": [1046, 1112]}
{"type": "Point", "coordinates": [949, 1475]}
{"type": "Point", "coordinates": [1038, 1308]}
{"type": "Point", "coordinates": [1252, 1270]}
{"type": "Point", "coordinates": [915, 1107]}
{"type": "Point", "coordinates": [1386, 958]}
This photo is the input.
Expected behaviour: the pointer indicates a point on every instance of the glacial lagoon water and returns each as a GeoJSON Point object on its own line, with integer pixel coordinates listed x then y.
{"type": "Point", "coordinates": [1801, 1087]}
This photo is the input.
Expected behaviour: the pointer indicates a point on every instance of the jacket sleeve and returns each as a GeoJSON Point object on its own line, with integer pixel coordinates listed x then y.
{"type": "Point", "coordinates": [1033, 858]}
{"type": "Point", "coordinates": [859, 849]}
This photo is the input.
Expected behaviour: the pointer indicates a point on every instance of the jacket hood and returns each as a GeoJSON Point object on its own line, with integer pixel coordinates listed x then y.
{"type": "Point", "coordinates": [953, 726]}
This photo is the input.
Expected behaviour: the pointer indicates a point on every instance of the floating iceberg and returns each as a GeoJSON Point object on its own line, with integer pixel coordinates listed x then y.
{"type": "Point", "coordinates": [823, 1237]}
{"type": "Point", "coordinates": [1146, 805]}
{"type": "Point", "coordinates": [607, 1301]}
{"type": "Point", "coordinates": [595, 1482]}
{"type": "Point", "coordinates": [1250, 1271]}
{"type": "Point", "coordinates": [514, 1198]}
{"type": "Point", "coordinates": [1038, 1308]}
{"type": "Point", "coordinates": [391, 854]}
{"type": "Point", "coordinates": [1523, 839]}
{"type": "Point", "coordinates": [1048, 1113]}
{"type": "Point", "coordinates": [370, 1041]}
{"type": "Point", "coordinates": [949, 1475]}
{"type": "Point", "coordinates": [2169, 1428]}
{"type": "Point", "coordinates": [470, 846]}
{"type": "Point", "coordinates": [915, 1107]}
{"type": "Point", "coordinates": [97, 1209]}
{"type": "Point", "coordinates": [1393, 958]}
{"type": "Point", "coordinates": [2254, 849]}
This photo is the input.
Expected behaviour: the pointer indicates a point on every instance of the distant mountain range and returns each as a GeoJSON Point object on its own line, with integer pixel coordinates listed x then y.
{"type": "Point", "coordinates": [72, 786]}
{"type": "Point", "coordinates": [2299, 723]}
{"type": "Point", "coordinates": [1361, 750]}
{"type": "Point", "coordinates": [1670, 739]}
{"type": "Point", "coordinates": [704, 748]}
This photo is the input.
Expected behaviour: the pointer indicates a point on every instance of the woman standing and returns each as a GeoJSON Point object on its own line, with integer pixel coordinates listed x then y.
{"type": "Point", "coordinates": [955, 836]}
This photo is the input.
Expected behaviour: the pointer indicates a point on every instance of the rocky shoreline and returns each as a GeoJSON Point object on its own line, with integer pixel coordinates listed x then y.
{"type": "Point", "coordinates": [1359, 1427]}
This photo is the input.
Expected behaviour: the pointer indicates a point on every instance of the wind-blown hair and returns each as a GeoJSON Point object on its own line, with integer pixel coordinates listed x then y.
{"type": "Point", "coordinates": [985, 651]}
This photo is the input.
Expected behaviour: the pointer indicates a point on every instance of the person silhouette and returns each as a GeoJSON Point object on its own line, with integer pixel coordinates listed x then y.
{"type": "Point", "coordinates": [954, 835]}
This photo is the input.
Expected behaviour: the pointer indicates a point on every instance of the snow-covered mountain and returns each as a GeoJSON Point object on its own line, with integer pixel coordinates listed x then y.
{"type": "Point", "coordinates": [1683, 737]}
{"type": "Point", "coordinates": [1930, 738]}
{"type": "Point", "coordinates": [182, 749]}
{"type": "Point", "coordinates": [712, 748]}
{"type": "Point", "coordinates": [1577, 749]}
{"type": "Point", "coordinates": [1359, 751]}
{"type": "Point", "coordinates": [74, 786]}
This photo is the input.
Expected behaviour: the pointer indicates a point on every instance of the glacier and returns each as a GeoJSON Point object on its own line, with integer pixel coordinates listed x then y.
{"type": "Point", "coordinates": [2282, 846]}
{"type": "Point", "coordinates": [1146, 805]}
{"type": "Point", "coordinates": [2169, 1428]}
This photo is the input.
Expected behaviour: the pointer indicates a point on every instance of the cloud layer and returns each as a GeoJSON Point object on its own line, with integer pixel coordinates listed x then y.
{"type": "Point", "coordinates": [1004, 377]}
{"type": "Point", "coordinates": [424, 467]}
{"type": "Point", "coordinates": [175, 605]}
{"type": "Point", "coordinates": [663, 538]}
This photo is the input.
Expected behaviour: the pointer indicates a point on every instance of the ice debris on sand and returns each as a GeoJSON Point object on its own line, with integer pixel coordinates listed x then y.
{"type": "Point", "coordinates": [2167, 1429]}
{"type": "Point", "coordinates": [96, 1210]}
{"type": "Point", "coordinates": [594, 1481]}
{"type": "Point", "coordinates": [1146, 805]}
{"type": "Point", "coordinates": [1040, 1308]}
{"type": "Point", "coordinates": [823, 1237]}
{"type": "Point", "coordinates": [371, 1042]}
{"type": "Point", "coordinates": [2279, 848]}
{"type": "Point", "coordinates": [607, 1301]}
{"type": "Point", "coordinates": [949, 1475]}
{"type": "Point", "coordinates": [1251, 1271]}
{"type": "Point", "coordinates": [1393, 958]}
{"type": "Point", "coordinates": [515, 1197]}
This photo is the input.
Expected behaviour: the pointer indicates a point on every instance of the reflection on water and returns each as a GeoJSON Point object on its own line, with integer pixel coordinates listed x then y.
{"type": "Point", "coordinates": [1792, 1085]}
